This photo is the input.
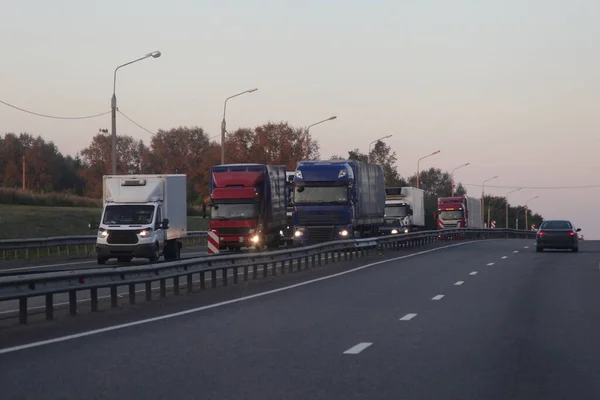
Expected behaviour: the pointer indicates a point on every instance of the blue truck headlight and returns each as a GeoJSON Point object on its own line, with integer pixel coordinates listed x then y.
{"type": "Point", "coordinates": [298, 233]}
{"type": "Point", "coordinates": [394, 231]}
{"type": "Point", "coordinates": [344, 233]}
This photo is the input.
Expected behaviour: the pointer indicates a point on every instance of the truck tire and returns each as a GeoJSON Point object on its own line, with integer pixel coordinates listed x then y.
{"type": "Point", "coordinates": [155, 255]}
{"type": "Point", "coordinates": [102, 260]}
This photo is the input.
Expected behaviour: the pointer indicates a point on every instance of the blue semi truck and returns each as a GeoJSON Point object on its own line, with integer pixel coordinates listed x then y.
{"type": "Point", "coordinates": [339, 199]}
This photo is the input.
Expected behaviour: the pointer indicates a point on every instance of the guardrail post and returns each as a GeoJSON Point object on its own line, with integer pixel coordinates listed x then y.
{"type": "Point", "coordinates": [235, 275]}
{"type": "Point", "coordinates": [245, 273]}
{"type": "Point", "coordinates": [94, 298]}
{"type": "Point", "coordinates": [202, 280]}
{"type": "Point", "coordinates": [224, 275]}
{"type": "Point", "coordinates": [254, 272]}
{"type": "Point", "coordinates": [23, 310]}
{"type": "Point", "coordinates": [49, 306]}
{"type": "Point", "coordinates": [189, 283]}
{"type": "Point", "coordinates": [132, 293]}
{"type": "Point", "coordinates": [114, 300]}
{"type": "Point", "coordinates": [213, 278]}
{"type": "Point", "coordinates": [72, 303]}
{"type": "Point", "coordinates": [148, 290]}
{"type": "Point", "coordinates": [163, 288]}
{"type": "Point", "coordinates": [176, 285]}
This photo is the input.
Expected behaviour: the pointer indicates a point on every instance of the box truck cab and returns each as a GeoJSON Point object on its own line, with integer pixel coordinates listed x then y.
{"type": "Point", "coordinates": [404, 210]}
{"type": "Point", "coordinates": [144, 216]}
{"type": "Point", "coordinates": [458, 212]}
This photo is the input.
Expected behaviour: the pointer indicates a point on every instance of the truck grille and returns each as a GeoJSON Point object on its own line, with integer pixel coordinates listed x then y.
{"type": "Point", "coordinates": [320, 217]}
{"type": "Point", "coordinates": [319, 234]}
{"type": "Point", "coordinates": [122, 237]}
{"type": "Point", "coordinates": [233, 231]}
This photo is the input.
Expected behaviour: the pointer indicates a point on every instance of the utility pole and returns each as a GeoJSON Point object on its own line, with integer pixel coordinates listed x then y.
{"type": "Point", "coordinates": [24, 173]}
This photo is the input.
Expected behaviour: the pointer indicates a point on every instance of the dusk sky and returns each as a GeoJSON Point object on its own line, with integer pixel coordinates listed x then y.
{"type": "Point", "coordinates": [510, 86]}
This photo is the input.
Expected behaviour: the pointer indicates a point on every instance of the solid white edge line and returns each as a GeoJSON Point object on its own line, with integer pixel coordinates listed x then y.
{"type": "Point", "coordinates": [473, 273]}
{"type": "Point", "coordinates": [215, 305]}
{"type": "Point", "coordinates": [408, 317]}
{"type": "Point", "coordinates": [455, 284]}
{"type": "Point", "coordinates": [358, 348]}
{"type": "Point", "coordinates": [437, 297]}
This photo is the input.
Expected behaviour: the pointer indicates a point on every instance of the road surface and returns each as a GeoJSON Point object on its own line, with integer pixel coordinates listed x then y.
{"type": "Point", "coordinates": [487, 320]}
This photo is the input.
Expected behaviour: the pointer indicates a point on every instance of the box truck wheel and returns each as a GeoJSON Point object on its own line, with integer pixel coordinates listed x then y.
{"type": "Point", "coordinates": [155, 255]}
{"type": "Point", "coordinates": [102, 260]}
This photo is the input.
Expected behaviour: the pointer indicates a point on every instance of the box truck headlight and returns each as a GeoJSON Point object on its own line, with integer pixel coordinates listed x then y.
{"type": "Point", "coordinates": [298, 233]}
{"type": "Point", "coordinates": [394, 231]}
{"type": "Point", "coordinates": [255, 239]}
{"type": "Point", "coordinates": [405, 230]}
{"type": "Point", "coordinates": [102, 233]}
{"type": "Point", "coordinates": [343, 233]}
{"type": "Point", "coordinates": [146, 233]}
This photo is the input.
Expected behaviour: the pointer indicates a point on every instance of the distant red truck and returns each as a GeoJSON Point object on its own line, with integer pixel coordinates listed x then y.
{"type": "Point", "coordinates": [248, 205]}
{"type": "Point", "coordinates": [458, 212]}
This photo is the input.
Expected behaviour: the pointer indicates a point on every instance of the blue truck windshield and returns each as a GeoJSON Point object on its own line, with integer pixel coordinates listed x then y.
{"type": "Point", "coordinates": [451, 214]}
{"type": "Point", "coordinates": [228, 211]}
{"type": "Point", "coordinates": [320, 194]}
{"type": "Point", "coordinates": [396, 211]}
{"type": "Point", "coordinates": [130, 214]}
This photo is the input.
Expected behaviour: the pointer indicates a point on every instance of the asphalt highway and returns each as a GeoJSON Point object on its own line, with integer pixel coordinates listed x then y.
{"type": "Point", "coordinates": [486, 320]}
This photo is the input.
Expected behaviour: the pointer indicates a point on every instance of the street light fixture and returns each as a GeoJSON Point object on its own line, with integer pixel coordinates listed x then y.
{"type": "Point", "coordinates": [483, 197]}
{"type": "Point", "coordinates": [527, 209]}
{"type": "Point", "coordinates": [113, 107]}
{"type": "Point", "coordinates": [308, 129]}
{"type": "Point", "coordinates": [375, 141]}
{"type": "Point", "coordinates": [224, 124]}
{"type": "Point", "coordinates": [452, 176]}
{"type": "Point", "coordinates": [419, 161]}
{"type": "Point", "coordinates": [506, 200]}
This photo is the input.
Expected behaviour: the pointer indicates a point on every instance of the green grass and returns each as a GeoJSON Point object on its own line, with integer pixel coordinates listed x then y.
{"type": "Point", "coordinates": [19, 222]}
{"type": "Point", "coordinates": [53, 199]}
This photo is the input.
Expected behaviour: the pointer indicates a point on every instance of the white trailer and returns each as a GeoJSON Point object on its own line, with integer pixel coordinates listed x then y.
{"type": "Point", "coordinates": [404, 210]}
{"type": "Point", "coordinates": [474, 215]}
{"type": "Point", "coordinates": [144, 216]}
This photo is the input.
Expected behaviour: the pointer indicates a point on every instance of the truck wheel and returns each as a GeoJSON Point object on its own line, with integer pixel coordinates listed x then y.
{"type": "Point", "coordinates": [155, 255]}
{"type": "Point", "coordinates": [102, 260]}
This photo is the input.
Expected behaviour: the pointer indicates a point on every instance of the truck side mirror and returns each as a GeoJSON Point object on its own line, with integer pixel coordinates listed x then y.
{"type": "Point", "coordinates": [165, 223]}
{"type": "Point", "coordinates": [410, 211]}
{"type": "Point", "coordinates": [578, 230]}
{"type": "Point", "coordinates": [93, 225]}
{"type": "Point", "coordinates": [204, 210]}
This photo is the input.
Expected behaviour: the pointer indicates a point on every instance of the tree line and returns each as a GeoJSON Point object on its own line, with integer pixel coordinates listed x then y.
{"type": "Point", "coordinates": [36, 165]}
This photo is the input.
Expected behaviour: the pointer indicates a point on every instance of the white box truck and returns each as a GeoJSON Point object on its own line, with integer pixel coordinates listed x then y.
{"type": "Point", "coordinates": [144, 216]}
{"type": "Point", "coordinates": [404, 210]}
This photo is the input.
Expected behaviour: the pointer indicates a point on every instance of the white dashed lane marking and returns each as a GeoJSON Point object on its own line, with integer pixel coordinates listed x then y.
{"type": "Point", "coordinates": [490, 264]}
{"type": "Point", "coordinates": [504, 257]}
{"type": "Point", "coordinates": [516, 251]}
{"type": "Point", "coordinates": [408, 317]}
{"type": "Point", "coordinates": [473, 273]}
{"type": "Point", "coordinates": [459, 283]}
{"type": "Point", "coordinates": [438, 297]}
{"type": "Point", "coordinates": [358, 348]}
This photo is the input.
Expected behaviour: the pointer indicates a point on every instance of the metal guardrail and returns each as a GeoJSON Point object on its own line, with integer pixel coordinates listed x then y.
{"type": "Point", "coordinates": [61, 243]}
{"type": "Point", "coordinates": [22, 288]}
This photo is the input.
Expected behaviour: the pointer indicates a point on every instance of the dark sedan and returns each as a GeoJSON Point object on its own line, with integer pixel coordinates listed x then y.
{"type": "Point", "coordinates": [557, 234]}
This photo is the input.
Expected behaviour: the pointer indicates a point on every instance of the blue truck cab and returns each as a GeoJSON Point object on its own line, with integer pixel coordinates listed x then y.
{"type": "Point", "coordinates": [339, 199]}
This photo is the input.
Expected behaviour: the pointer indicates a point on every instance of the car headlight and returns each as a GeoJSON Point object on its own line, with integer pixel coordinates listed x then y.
{"type": "Point", "coordinates": [102, 233]}
{"type": "Point", "coordinates": [255, 239]}
{"type": "Point", "coordinates": [298, 233]}
{"type": "Point", "coordinates": [145, 233]}
{"type": "Point", "coordinates": [394, 231]}
{"type": "Point", "coordinates": [344, 232]}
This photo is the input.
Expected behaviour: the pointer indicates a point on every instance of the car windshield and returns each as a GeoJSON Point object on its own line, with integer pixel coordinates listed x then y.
{"type": "Point", "coordinates": [226, 211]}
{"type": "Point", "coordinates": [396, 211]}
{"type": "Point", "coordinates": [320, 194]}
{"type": "Point", "coordinates": [451, 214]}
{"type": "Point", "coordinates": [131, 214]}
{"type": "Point", "coordinates": [556, 225]}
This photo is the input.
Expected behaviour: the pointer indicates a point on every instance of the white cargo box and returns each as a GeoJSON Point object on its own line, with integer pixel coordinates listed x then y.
{"type": "Point", "coordinates": [414, 196]}
{"type": "Point", "coordinates": [475, 218]}
{"type": "Point", "coordinates": [170, 191]}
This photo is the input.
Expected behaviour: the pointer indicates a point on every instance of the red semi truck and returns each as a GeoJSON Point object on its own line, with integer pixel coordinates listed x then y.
{"type": "Point", "coordinates": [248, 205]}
{"type": "Point", "coordinates": [458, 212]}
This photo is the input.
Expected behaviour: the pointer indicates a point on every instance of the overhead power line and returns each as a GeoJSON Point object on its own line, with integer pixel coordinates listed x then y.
{"type": "Point", "coordinates": [136, 124]}
{"type": "Point", "coordinates": [535, 187]}
{"type": "Point", "coordinates": [51, 116]}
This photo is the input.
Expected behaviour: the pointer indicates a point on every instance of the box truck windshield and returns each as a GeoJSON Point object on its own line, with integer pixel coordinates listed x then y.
{"type": "Point", "coordinates": [451, 214]}
{"type": "Point", "coordinates": [399, 211]}
{"type": "Point", "coordinates": [226, 211]}
{"type": "Point", "coordinates": [130, 214]}
{"type": "Point", "coordinates": [320, 194]}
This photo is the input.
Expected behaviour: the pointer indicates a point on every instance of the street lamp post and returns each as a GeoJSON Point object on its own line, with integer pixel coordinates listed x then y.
{"type": "Point", "coordinates": [419, 161]}
{"type": "Point", "coordinates": [452, 176]}
{"type": "Point", "coordinates": [506, 200]}
{"type": "Point", "coordinates": [527, 209]}
{"type": "Point", "coordinates": [113, 108]}
{"type": "Point", "coordinates": [375, 141]}
{"type": "Point", "coordinates": [308, 130]}
{"type": "Point", "coordinates": [224, 124]}
{"type": "Point", "coordinates": [483, 197]}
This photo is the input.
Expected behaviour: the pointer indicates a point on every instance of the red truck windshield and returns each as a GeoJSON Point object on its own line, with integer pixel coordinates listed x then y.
{"type": "Point", "coordinates": [234, 211]}
{"type": "Point", "coordinates": [451, 214]}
